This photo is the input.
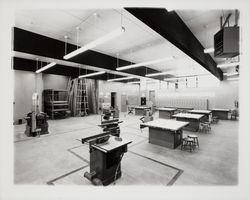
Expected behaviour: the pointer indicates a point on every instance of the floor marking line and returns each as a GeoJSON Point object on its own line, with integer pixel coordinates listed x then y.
{"type": "Point", "coordinates": [177, 175]}
{"type": "Point", "coordinates": [137, 143]}
{"type": "Point", "coordinates": [49, 135]}
{"type": "Point", "coordinates": [78, 156]}
{"type": "Point", "coordinates": [77, 146]}
{"type": "Point", "coordinates": [64, 175]}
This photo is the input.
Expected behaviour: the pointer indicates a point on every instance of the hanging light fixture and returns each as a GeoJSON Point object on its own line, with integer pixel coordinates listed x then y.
{"type": "Point", "coordinates": [92, 74]}
{"type": "Point", "coordinates": [96, 42]}
{"type": "Point", "coordinates": [145, 63]}
{"type": "Point", "coordinates": [120, 79]}
{"type": "Point", "coordinates": [231, 74]}
{"type": "Point", "coordinates": [225, 65]}
{"type": "Point", "coordinates": [170, 79]}
{"type": "Point", "coordinates": [209, 50]}
{"type": "Point", "coordinates": [157, 74]}
{"type": "Point", "coordinates": [46, 67]}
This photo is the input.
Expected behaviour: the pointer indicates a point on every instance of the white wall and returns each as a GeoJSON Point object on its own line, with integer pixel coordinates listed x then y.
{"type": "Point", "coordinates": [221, 96]}
{"type": "Point", "coordinates": [51, 81]}
{"type": "Point", "coordinates": [25, 85]}
{"type": "Point", "coordinates": [119, 88]}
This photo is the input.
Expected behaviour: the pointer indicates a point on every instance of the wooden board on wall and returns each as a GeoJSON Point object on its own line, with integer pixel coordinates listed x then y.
{"type": "Point", "coordinates": [196, 103]}
{"type": "Point", "coordinates": [133, 100]}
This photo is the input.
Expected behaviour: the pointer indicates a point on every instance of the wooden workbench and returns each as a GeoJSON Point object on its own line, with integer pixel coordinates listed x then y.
{"type": "Point", "coordinates": [220, 113]}
{"type": "Point", "coordinates": [166, 113]}
{"type": "Point", "coordinates": [207, 114]}
{"type": "Point", "coordinates": [166, 133]}
{"type": "Point", "coordinates": [141, 110]}
{"type": "Point", "coordinates": [193, 119]}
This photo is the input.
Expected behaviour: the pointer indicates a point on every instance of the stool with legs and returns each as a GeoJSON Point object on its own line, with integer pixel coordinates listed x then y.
{"type": "Point", "coordinates": [195, 139]}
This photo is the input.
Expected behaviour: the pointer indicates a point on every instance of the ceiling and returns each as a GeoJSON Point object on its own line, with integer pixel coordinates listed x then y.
{"type": "Point", "coordinates": [138, 44]}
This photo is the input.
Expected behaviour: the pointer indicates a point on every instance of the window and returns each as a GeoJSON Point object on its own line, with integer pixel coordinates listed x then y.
{"type": "Point", "coordinates": [191, 82]}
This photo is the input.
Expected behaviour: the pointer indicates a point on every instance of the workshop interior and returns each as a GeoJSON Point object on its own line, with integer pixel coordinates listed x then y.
{"type": "Point", "coordinates": [126, 96]}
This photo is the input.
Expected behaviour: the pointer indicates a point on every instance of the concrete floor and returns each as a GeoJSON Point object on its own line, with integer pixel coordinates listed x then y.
{"type": "Point", "coordinates": [60, 158]}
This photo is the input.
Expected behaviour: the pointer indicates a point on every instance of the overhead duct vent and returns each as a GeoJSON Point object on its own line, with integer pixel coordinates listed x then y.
{"type": "Point", "coordinates": [226, 42]}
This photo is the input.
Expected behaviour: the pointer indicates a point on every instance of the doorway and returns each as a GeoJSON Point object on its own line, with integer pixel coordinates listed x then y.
{"type": "Point", "coordinates": [152, 96]}
{"type": "Point", "coordinates": [113, 99]}
{"type": "Point", "coordinates": [123, 103]}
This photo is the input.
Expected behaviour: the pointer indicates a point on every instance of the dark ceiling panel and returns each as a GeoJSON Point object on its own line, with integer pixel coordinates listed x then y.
{"type": "Point", "coordinates": [30, 65]}
{"type": "Point", "coordinates": [32, 43]}
{"type": "Point", "coordinates": [130, 80]}
{"type": "Point", "coordinates": [170, 26]}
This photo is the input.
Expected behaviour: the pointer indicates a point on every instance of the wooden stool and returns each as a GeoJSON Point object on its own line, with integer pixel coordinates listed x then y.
{"type": "Point", "coordinates": [183, 142]}
{"type": "Point", "coordinates": [188, 142]}
{"type": "Point", "coordinates": [195, 139]}
{"type": "Point", "coordinates": [215, 120]}
{"type": "Point", "coordinates": [205, 127]}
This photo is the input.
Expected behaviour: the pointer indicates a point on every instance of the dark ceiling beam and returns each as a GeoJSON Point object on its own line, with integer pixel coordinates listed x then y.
{"type": "Point", "coordinates": [170, 26]}
{"type": "Point", "coordinates": [73, 72]}
{"type": "Point", "coordinates": [32, 43]}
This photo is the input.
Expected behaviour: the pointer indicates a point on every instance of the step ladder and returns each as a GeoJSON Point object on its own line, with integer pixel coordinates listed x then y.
{"type": "Point", "coordinates": [81, 98]}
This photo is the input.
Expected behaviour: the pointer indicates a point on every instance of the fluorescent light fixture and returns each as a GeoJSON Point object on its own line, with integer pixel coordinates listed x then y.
{"type": "Point", "coordinates": [46, 67]}
{"type": "Point", "coordinates": [231, 74]}
{"type": "Point", "coordinates": [175, 79]}
{"type": "Point", "coordinates": [157, 74]}
{"type": "Point", "coordinates": [233, 79]}
{"type": "Point", "coordinates": [92, 74]}
{"type": "Point", "coordinates": [95, 43]}
{"type": "Point", "coordinates": [145, 63]}
{"type": "Point", "coordinates": [225, 65]}
{"type": "Point", "coordinates": [209, 50]}
{"type": "Point", "coordinates": [169, 9]}
{"type": "Point", "coordinates": [170, 79]}
{"type": "Point", "coordinates": [120, 79]}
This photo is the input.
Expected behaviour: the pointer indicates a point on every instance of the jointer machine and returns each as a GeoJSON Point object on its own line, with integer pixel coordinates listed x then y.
{"type": "Point", "coordinates": [36, 121]}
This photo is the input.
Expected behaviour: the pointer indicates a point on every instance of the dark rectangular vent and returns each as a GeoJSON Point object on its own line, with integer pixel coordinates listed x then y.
{"type": "Point", "coordinates": [226, 42]}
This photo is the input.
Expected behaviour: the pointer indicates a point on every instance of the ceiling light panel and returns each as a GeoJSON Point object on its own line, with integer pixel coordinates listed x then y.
{"type": "Point", "coordinates": [92, 74]}
{"type": "Point", "coordinates": [103, 39]}
{"type": "Point", "coordinates": [45, 67]}
{"type": "Point", "coordinates": [120, 79]}
{"type": "Point", "coordinates": [146, 63]}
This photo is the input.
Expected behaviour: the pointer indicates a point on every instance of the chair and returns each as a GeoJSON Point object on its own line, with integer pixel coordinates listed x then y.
{"type": "Point", "coordinates": [130, 110]}
{"type": "Point", "coordinates": [148, 117]}
{"type": "Point", "coordinates": [234, 114]}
